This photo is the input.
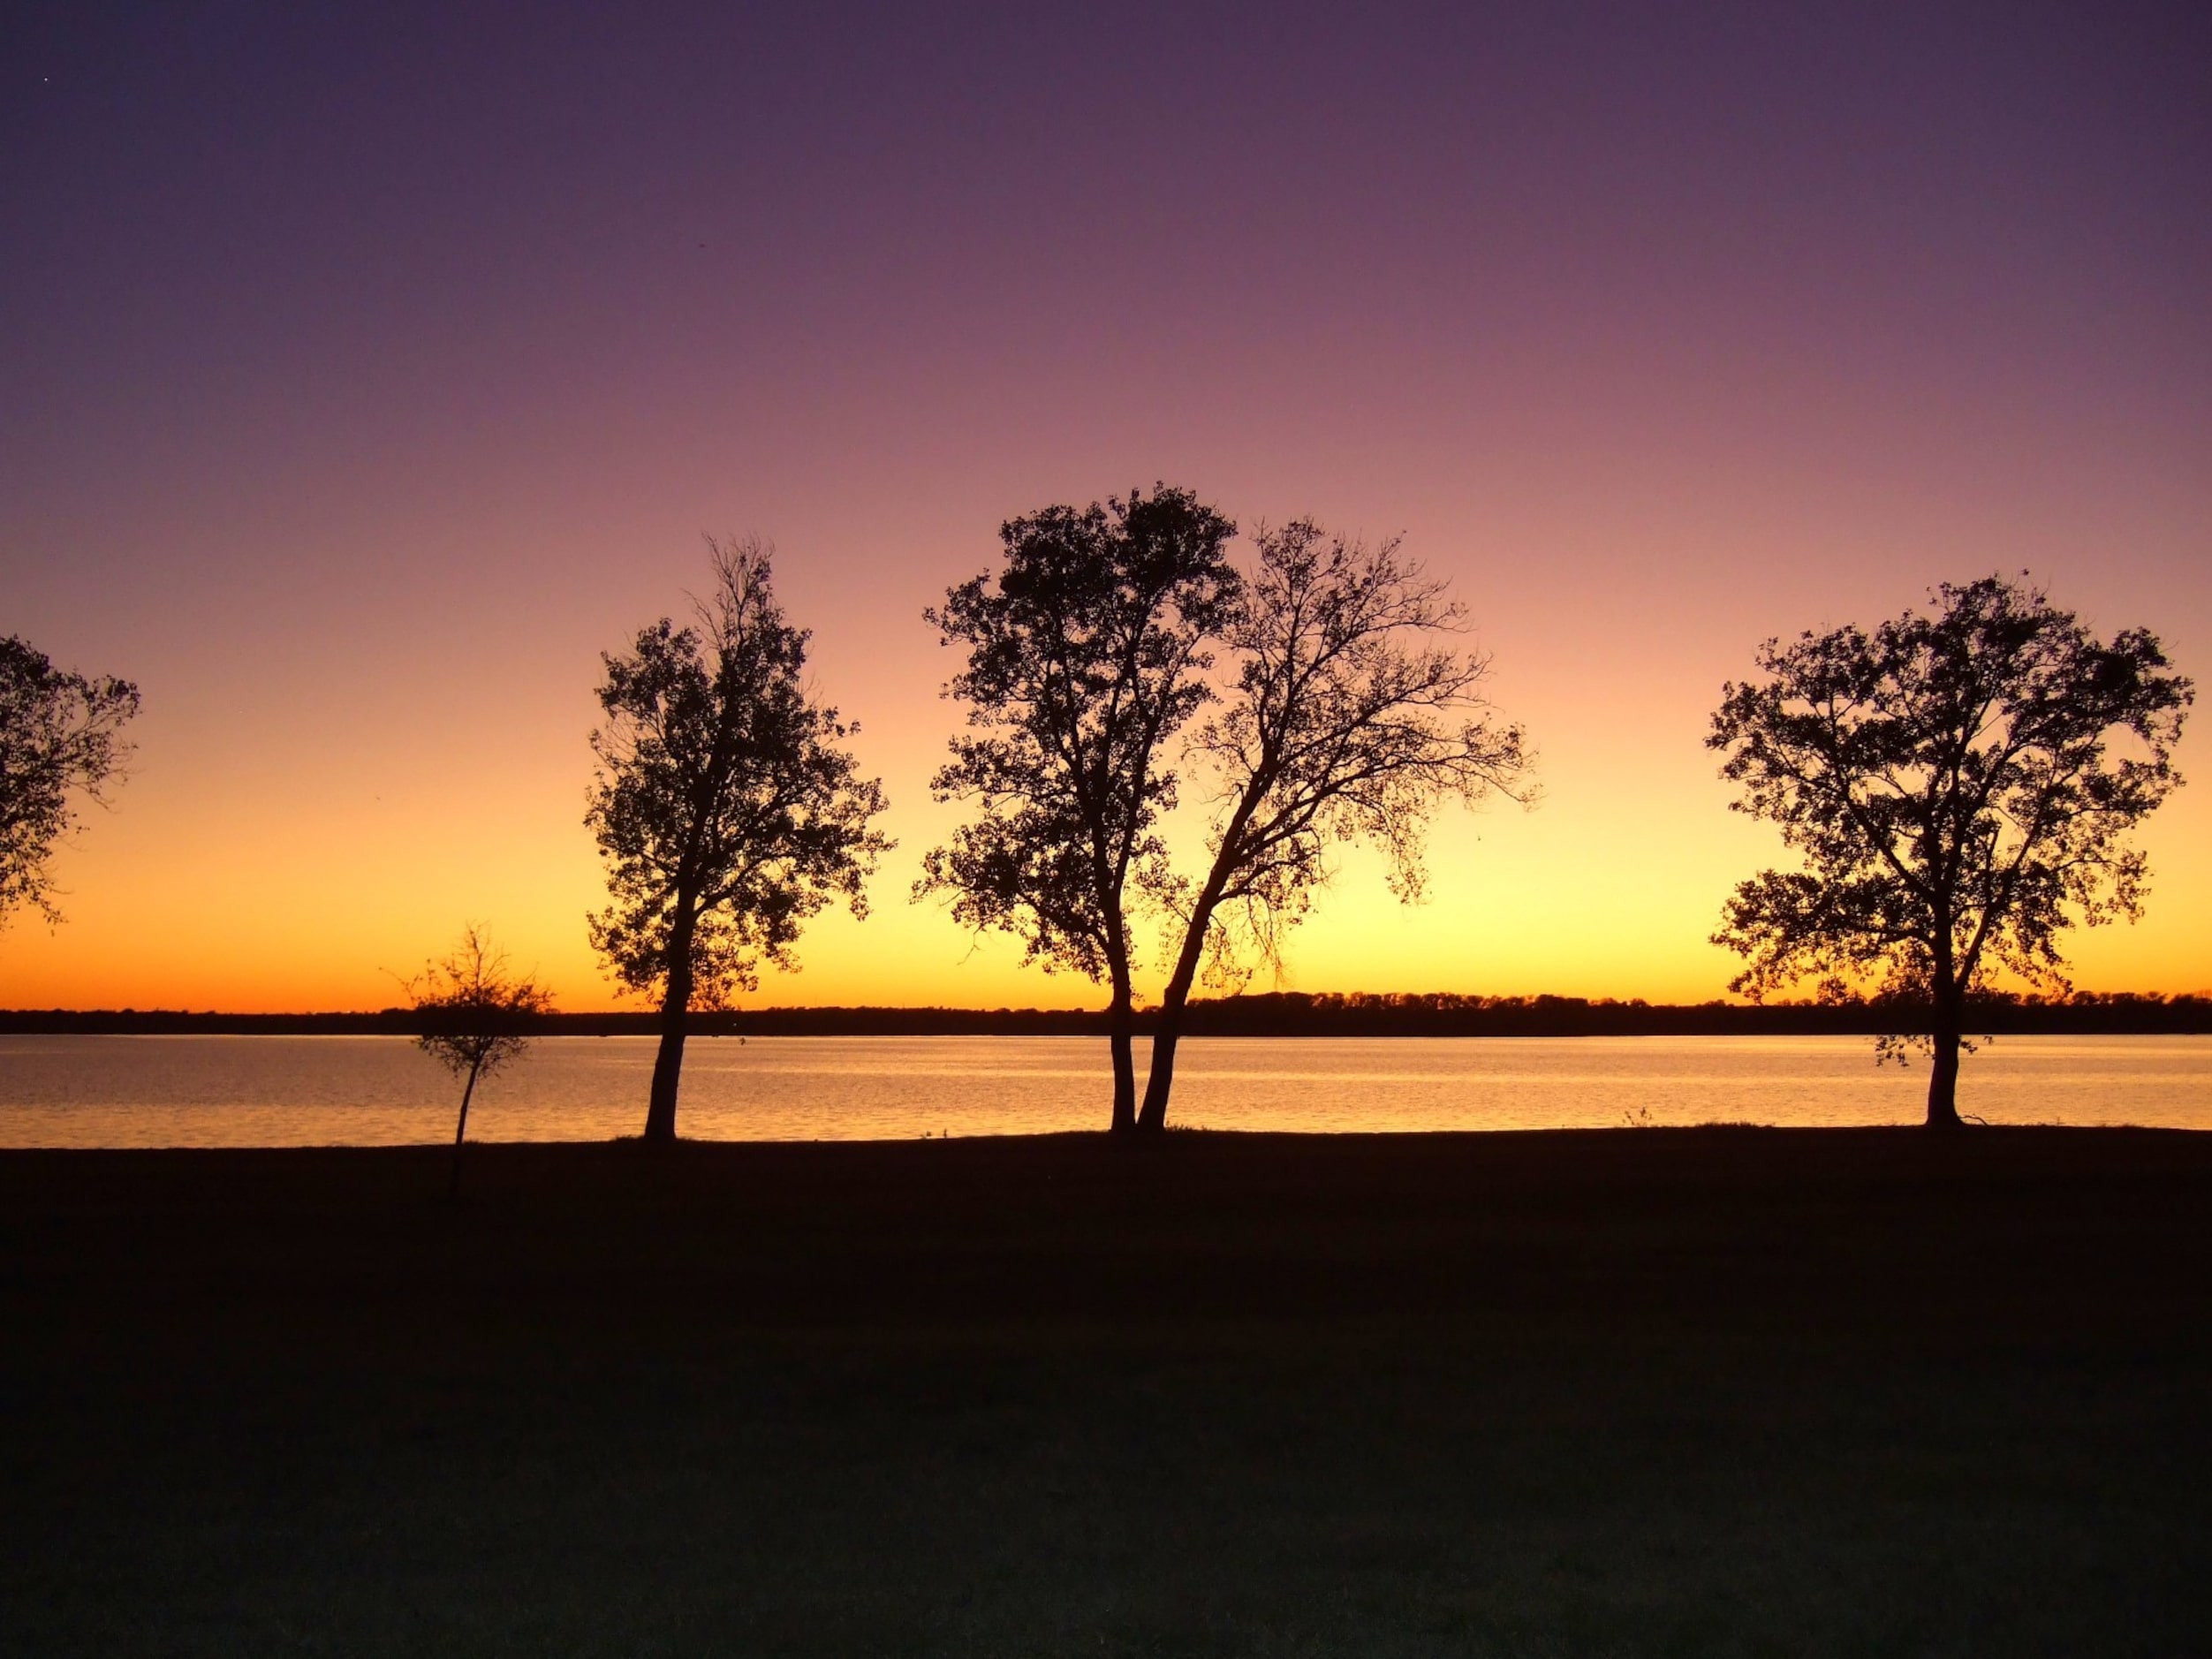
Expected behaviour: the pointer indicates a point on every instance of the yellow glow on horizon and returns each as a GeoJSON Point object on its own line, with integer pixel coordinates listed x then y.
{"type": "Point", "coordinates": [200, 893]}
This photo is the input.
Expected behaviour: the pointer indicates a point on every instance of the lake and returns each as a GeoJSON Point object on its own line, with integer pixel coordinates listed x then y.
{"type": "Point", "coordinates": [216, 1090]}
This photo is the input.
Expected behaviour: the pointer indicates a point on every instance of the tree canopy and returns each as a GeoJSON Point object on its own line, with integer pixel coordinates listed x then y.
{"type": "Point", "coordinates": [60, 743]}
{"type": "Point", "coordinates": [726, 805]}
{"type": "Point", "coordinates": [1958, 787]}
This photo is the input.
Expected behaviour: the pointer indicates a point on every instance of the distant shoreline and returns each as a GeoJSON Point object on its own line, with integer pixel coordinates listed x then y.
{"type": "Point", "coordinates": [1280, 1014]}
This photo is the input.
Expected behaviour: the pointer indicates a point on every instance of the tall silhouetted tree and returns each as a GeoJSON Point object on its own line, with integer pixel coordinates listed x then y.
{"type": "Point", "coordinates": [476, 1017]}
{"type": "Point", "coordinates": [1952, 784]}
{"type": "Point", "coordinates": [726, 806]}
{"type": "Point", "coordinates": [59, 740]}
{"type": "Point", "coordinates": [1353, 715]}
{"type": "Point", "coordinates": [1086, 653]}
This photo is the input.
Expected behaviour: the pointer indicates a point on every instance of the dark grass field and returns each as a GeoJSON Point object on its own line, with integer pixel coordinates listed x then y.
{"type": "Point", "coordinates": [1701, 1392]}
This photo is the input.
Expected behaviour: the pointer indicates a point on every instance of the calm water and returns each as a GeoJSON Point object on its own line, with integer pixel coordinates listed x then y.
{"type": "Point", "coordinates": [380, 1091]}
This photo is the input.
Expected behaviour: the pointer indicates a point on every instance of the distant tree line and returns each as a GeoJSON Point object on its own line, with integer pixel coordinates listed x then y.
{"type": "Point", "coordinates": [1261, 1014]}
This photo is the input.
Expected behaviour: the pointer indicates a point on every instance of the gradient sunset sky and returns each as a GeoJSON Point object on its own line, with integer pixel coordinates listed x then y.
{"type": "Point", "coordinates": [368, 371]}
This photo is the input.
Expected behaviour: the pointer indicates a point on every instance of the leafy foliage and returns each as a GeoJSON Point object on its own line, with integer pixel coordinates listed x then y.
{"type": "Point", "coordinates": [60, 736]}
{"type": "Point", "coordinates": [1085, 655]}
{"type": "Point", "coordinates": [725, 806]}
{"type": "Point", "coordinates": [1958, 786]}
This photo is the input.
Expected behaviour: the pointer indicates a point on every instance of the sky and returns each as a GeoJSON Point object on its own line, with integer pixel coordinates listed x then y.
{"type": "Point", "coordinates": [368, 372]}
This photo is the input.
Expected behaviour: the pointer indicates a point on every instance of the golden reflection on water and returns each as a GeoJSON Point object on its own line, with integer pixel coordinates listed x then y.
{"type": "Point", "coordinates": [379, 1091]}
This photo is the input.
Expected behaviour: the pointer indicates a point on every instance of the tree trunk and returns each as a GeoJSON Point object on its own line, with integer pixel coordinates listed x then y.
{"type": "Point", "coordinates": [667, 1064]}
{"type": "Point", "coordinates": [1120, 1028]}
{"type": "Point", "coordinates": [668, 1067]}
{"type": "Point", "coordinates": [460, 1131]}
{"type": "Point", "coordinates": [1169, 1030]}
{"type": "Point", "coordinates": [1942, 1076]}
{"type": "Point", "coordinates": [1153, 1118]}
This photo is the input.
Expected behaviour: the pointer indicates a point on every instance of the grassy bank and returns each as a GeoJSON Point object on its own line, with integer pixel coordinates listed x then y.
{"type": "Point", "coordinates": [1694, 1392]}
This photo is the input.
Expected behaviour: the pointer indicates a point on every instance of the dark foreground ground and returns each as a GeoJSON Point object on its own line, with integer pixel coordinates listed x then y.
{"type": "Point", "coordinates": [1703, 1392]}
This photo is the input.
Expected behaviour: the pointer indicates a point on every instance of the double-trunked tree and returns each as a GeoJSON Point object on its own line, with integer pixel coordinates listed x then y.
{"type": "Point", "coordinates": [1347, 711]}
{"type": "Point", "coordinates": [726, 805]}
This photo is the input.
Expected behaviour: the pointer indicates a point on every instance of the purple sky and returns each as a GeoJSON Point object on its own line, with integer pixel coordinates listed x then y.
{"type": "Point", "coordinates": [367, 373]}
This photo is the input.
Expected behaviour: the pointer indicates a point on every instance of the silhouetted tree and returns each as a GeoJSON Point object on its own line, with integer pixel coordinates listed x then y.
{"type": "Point", "coordinates": [1086, 653]}
{"type": "Point", "coordinates": [1949, 784]}
{"type": "Point", "coordinates": [726, 804]}
{"type": "Point", "coordinates": [59, 738]}
{"type": "Point", "coordinates": [1351, 718]}
{"type": "Point", "coordinates": [476, 1017]}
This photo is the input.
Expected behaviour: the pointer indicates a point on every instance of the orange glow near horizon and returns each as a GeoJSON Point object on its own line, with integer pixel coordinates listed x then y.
{"type": "Point", "coordinates": [246, 869]}
{"type": "Point", "coordinates": [367, 383]}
